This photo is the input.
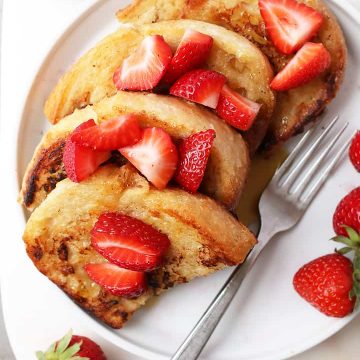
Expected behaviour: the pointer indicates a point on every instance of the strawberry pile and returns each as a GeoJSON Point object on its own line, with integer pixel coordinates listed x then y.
{"type": "Point", "coordinates": [131, 247]}
{"type": "Point", "coordinates": [331, 283]}
{"type": "Point", "coordinates": [290, 26]}
{"type": "Point", "coordinates": [151, 150]}
{"type": "Point", "coordinates": [186, 76]}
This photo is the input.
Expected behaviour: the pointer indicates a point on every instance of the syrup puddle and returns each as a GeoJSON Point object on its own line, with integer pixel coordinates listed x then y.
{"type": "Point", "coordinates": [263, 167]}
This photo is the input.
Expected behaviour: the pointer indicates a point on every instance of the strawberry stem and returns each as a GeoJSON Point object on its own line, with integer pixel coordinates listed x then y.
{"type": "Point", "coordinates": [352, 243]}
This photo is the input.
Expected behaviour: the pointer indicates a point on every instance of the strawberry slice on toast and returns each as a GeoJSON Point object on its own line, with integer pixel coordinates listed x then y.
{"type": "Point", "coordinates": [117, 281]}
{"type": "Point", "coordinates": [129, 242]}
{"type": "Point", "coordinates": [155, 156]}
{"type": "Point", "coordinates": [80, 162]}
{"type": "Point", "coordinates": [144, 69]}
{"type": "Point", "coordinates": [110, 134]}
{"type": "Point", "coordinates": [200, 86]}
{"type": "Point", "coordinates": [194, 153]}
{"type": "Point", "coordinates": [192, 53]}
{"type": "Point", "coordinates": [309, 62]}
{"type": "Point", "coordinates": [237, 110]}
{"type": "Point", "coordinates": [290, 24]}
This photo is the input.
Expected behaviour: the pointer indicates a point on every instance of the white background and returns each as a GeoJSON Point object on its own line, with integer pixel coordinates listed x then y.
{"type": "Point", "coordinates": [344, 345]}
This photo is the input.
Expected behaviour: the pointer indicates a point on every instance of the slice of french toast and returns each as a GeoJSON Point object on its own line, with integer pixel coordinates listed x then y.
{"type": "Point", "coordinates": [295, 108]}
{"type": "Point", "coordinates": [91, 78]}
{"type": "Point", "coordinates": [204, 237]}
{"type": "Point", "coordinates": [227, 167]}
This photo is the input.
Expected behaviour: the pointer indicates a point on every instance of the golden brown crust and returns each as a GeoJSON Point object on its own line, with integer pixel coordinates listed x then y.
{"type": "Point", "coordinates": [294, 108]}
{"type": "Point", "coordinates": [204, 237]}
{"type": "Point", "coordinates": [228, 163]}
{"type": "Point", "coordinates": [90, 79]}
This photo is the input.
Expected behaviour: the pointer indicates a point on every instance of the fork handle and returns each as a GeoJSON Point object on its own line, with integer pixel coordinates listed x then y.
{"type": "Point", "coordinates": [201, 333]}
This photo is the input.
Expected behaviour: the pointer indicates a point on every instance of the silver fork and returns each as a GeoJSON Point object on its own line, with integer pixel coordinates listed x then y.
{"type": "Point", "coordinates": [281, 206]}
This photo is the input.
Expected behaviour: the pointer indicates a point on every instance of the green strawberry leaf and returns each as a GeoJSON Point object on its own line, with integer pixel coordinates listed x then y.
{"type": "Point", "coordinates": [70, 352]}
{"type": "Point", "coordinates": [344, 250]}
{"type": "Point", "coordinates": [40, 355]}
{"type": "Point", "coordinates": [356, 278]}
{"type": "Point", "coordinates": [60, 350]}
{"type": "Point", "coordinates": [343, 240]}
{"type": "Point", "coordinates": [353, 235]}
{"type": "Point", "coordinates": [64, 343]}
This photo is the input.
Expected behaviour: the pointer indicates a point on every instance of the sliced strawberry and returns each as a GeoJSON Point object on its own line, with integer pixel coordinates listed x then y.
{"type": "Point", "coordinates": [310, 61]}
{"type": "Point", "coordinates": [194, 153]}
{"type": "Point", "coordinates": [144, 69]}
{"type": "Point", "coordinates": [192, 52]}
{"type": "Point", "coordinates": [128, 242]}
{"type": "Point", "coordinates": [200, 86]}
{"type": "Point", "coordinates": [237, 110]}
{"type": "Point", "coordinates": [155, 156]}
{"type": "Point", "coordinates": [289, 24]}
{"type": "Point", "coordinates": [80, 162]}
{"type": "Point", "coordinates": [117, 281]}
{"type": "Point", "coordinates": [111, 134]}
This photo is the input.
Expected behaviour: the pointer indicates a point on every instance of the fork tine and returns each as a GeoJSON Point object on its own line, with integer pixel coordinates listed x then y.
{"type": "Point", "coordinates": [305, 156]}
{"type": "Point", "coordinates": [280, 171]}
{"type": "Point", "coordinates": [305, 179]}
{"type": "Point", "coordinates": [319, 182]}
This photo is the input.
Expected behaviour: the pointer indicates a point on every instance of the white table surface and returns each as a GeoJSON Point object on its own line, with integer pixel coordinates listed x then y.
{"type": "Point", "coordinates": [343, 346]}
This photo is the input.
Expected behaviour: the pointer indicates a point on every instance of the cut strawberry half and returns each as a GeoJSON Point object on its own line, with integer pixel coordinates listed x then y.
{"type": "Point", "coordinates": [237, 110]}
{"type": "Point", "coordinates": [128, 242]}
{"type": "Point", "coordinates": [192, 52]}
{"type": "Point", "coordinates": [200, 86]}
{"type": "Point", "coordinates": [80, 162]}
{"type": "Point", "coordinates": [144, 69]}
{"type": "Point", "coordinates": [117, 281]}
{"type": "Point", "coordinates": [194, 153]}
{"type": "Point", "coordinates": [110, 134]}
{"type": "Point", "coordinates": [310, 61]}
{"type": "Point", "coordinates": [155, 156]}
{"type": "Point", "coordinates": [289, 24]}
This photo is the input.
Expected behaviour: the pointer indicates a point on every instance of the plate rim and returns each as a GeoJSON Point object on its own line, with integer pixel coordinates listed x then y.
{"type": "Point", "coordinates": [101, 329]}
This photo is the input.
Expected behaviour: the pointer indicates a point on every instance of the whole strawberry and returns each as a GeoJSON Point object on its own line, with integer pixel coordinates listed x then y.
{"type": "Point", "coordinates": [327, 283]}
{"type": "Point", "coordinates": [348, 213]}
{"type": "Point", "coordinates": [72, 347]}
{"type": "Point", "coordinates": [354, 151]}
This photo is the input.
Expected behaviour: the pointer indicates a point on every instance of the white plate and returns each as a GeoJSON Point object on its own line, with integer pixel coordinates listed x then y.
{"type": "Point", "coordinates": [267, 320]}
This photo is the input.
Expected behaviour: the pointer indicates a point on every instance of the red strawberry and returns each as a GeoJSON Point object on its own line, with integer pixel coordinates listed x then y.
{"type": "Point", "coordinates": [73, 347]}
{"type": "Point", "coordinates": [117, 281]}
{"type": "Point", "coordinates": [144, 69]}
{"type": "Point", "coordinates": [111, 134]}
{"type": "Point", "coordinates": [352, 244]}
{"type": "Point", "coordinates": [311, 60]}
{"type": "Point", "coordinates": [200, 86]}
{"type": "Point", "coordinates": [128, 242]}
{"type": "Point", "coordinates": [194, 153]}
{"type": "Point", "coordinates": [348, 213]}
{"type": "Point", "coordinates": [354, 152]}
{"type": "Point", "coordinates": [326, 283]}
{"type": "Point", "coordinates": [289, 23]}
{"type": "Point", "coordinates": [192, 52]}
{"type": "Point", "coordinates": [155, 156]}
{"type": "Point", "coordinates": [80, 162]}
{"type": "Point", "coordinates": [237, 110]}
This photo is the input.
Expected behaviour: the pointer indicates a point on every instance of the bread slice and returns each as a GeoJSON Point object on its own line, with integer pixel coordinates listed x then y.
{"type": "Point", "coordinates": [294, 108]}
{"type": "Point", "coordinates": [228, 164]}
{"type": "Point", "coordinates": [204, 236]}
{"type": "Point", "coordinates": [90, 79]}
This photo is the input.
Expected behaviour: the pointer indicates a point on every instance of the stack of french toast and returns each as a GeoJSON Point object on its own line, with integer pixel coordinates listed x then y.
{"type": "Point", "coordinates": [133, 189]}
